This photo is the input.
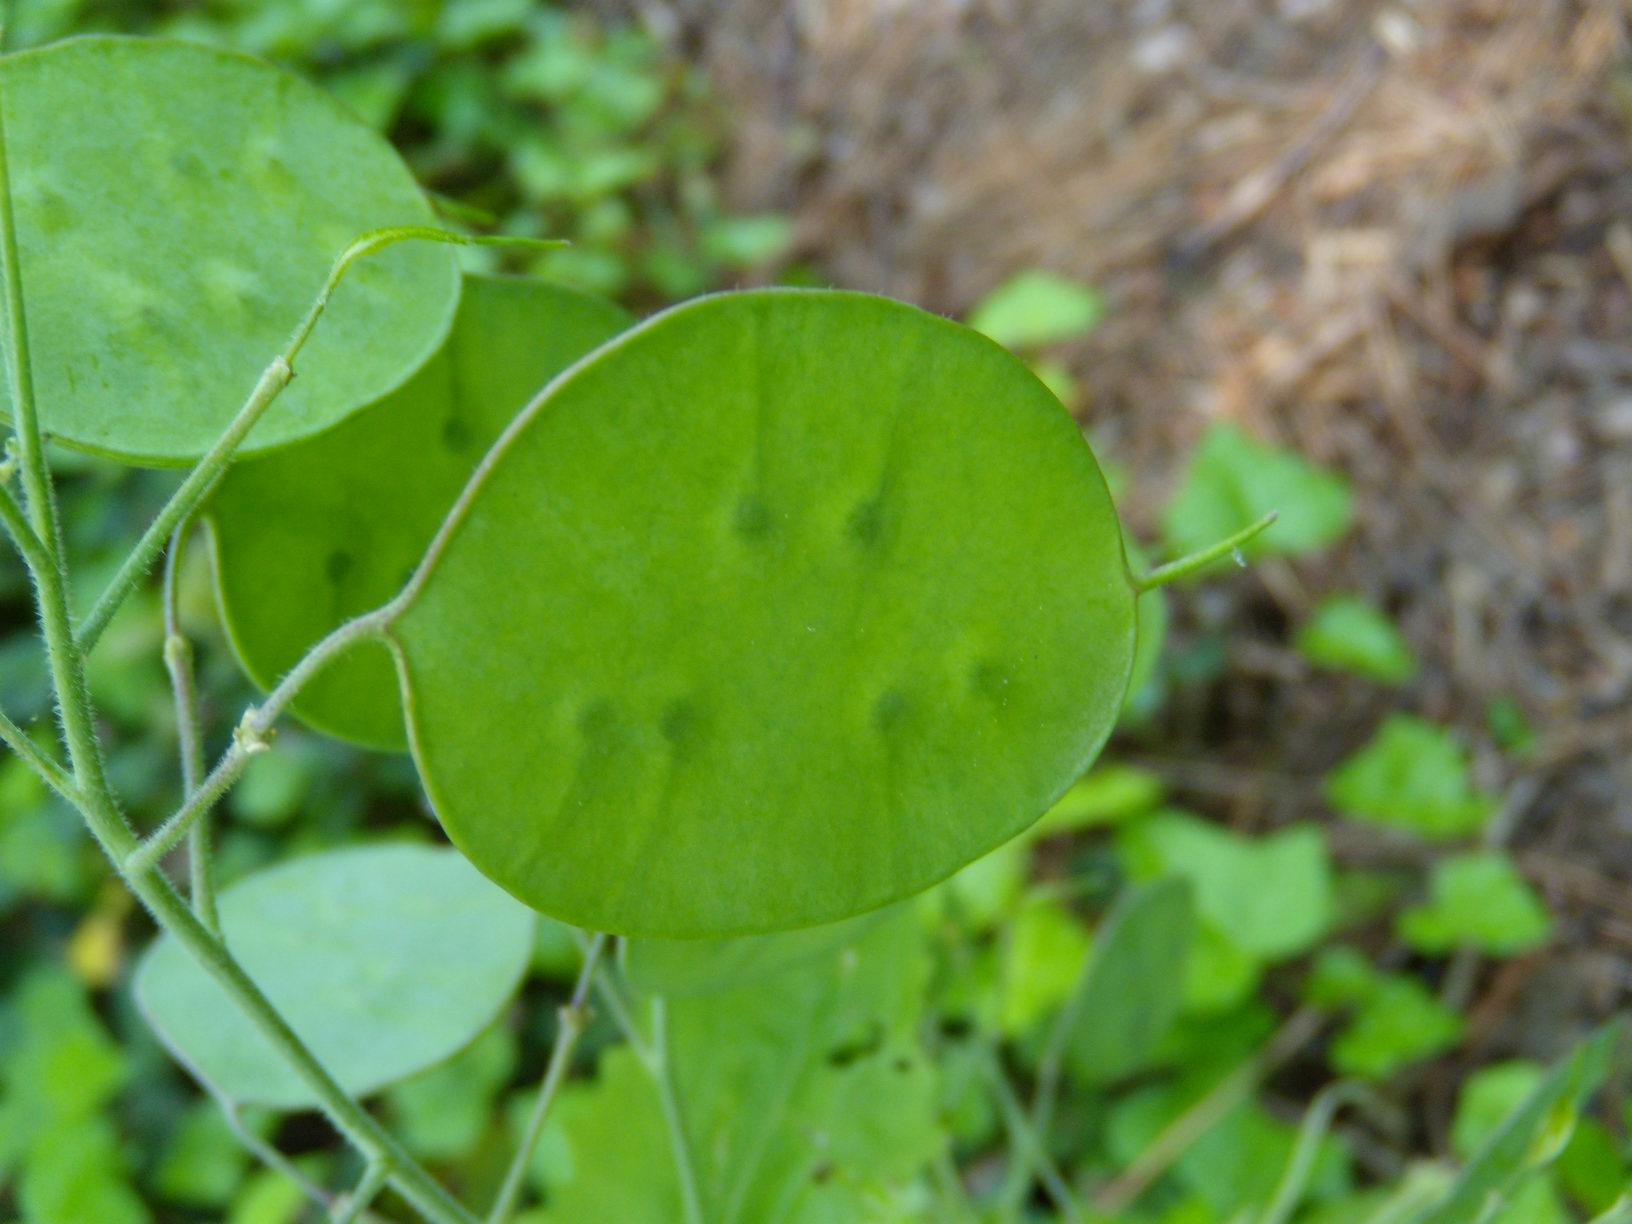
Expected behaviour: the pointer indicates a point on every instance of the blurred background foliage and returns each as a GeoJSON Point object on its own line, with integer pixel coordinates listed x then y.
{"type": "Point", "coordinates": [1300, 977]}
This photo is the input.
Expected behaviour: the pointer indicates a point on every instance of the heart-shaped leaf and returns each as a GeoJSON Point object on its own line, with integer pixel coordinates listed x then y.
{"type": "Point", "coordinates": [782, 606]}
{"type": "Point", "coordinates": [331, 528]}
{"type": "Point", "coordinates": [383, 959]}
{"type": "Point", "coordinates": [178, 208]}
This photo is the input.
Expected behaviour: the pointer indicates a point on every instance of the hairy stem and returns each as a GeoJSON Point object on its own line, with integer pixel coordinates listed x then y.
{"type": "Point", "coordinates": [29, 547]}
{"type": "Point", "coordinates": [24, 746]}
{"type": "Point", "coordinates": [45, 561]}
{"type": "Point", "coordinates": [252, 736]}
{"type": "Point", "coordinates": [569, 1027]}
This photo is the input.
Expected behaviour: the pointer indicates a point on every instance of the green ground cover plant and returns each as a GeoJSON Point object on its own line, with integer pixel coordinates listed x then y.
{"type": "Point", "coordinates": [752, 657]}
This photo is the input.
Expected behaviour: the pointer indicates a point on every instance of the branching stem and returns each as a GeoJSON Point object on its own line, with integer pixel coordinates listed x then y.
{"type": "Point", "coordinates": [95, 799]}
{"type": "Point", "coordinates": [209, 470]}
{"type": "Point", "coordinates": [569, 1027]}
{"type": "Point", "coordinates": [253, 736]}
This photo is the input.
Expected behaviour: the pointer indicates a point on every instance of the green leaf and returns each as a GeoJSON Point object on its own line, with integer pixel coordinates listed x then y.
{"type": "Point", "coordinates": [1512, 731]}
{"type": "Point", "coordinates": [64, 1066]}
{"type": "Point", "coordinates": [1108, 794]}
{"type": "Point", "coordinates": [384, 959]}
{"type": "Point", "coordinates": [746, 242]}
{"type": "Point", "coordinates": [1271, 896]}
{"type": "Point", "coordinates": [170, 244]}
{"type": "Point", "coordinates": [1413, 775]}
{"type": "Point", "coordinates": [269, 1198]}
{"type": "Point", "coordinates": [1399, 1023]}
{"type": "Point", "coordinates": [1486, 1098]}
{"type": "Point", "coordinates": [1233, 481]}
{"type": "Point", "coordinates": [1045, 945]}
{"type": "Point", "coordinates": [1035, 307]}
{"type": "Point", "coordinates": [203, 1161]}
{"type": "Point", "coordinates": [605, 1150]}
{"type": "Point", "coordinates": [1059, 379]}
{"type": "Point", "coordinates": [982, 895]}
{"type": "Point", "coordinates": [1593, 1168]}
{"type": "Point", "coordinates": [1478, 901]}
{"type": "Point", "coordinates": [796, 1087]}
{"type": "Point", "coordinates": [331, 528]}
{"type": "Point", "coordinates": [683, 967]}
{"type": "Point", "coordinates": [76, 1174]}
{"type": "Point", "coordinates": [782, 606]}
{"type": "Point", "coordinates": [1534, 1134]}
{"type": "Point", "coordinates": [1395, 1020]}
{"type": "Point", "coordinates": [441, 1114]}
{"type": "Point", "coordinates": [1131, 987]}
{"type": "Point", "coordinates": [1347, 634]}
{"type": "Point", "coordinates": [1219, 974]}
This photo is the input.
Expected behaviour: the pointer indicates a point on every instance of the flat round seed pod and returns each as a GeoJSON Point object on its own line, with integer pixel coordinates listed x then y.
{"type": "Point", "coordinates": [332, 527]}
{"type": "Point", "coordinates": [178, 209]}
{"type": "Point", "coordinates": [384, 959]}
{"type": "Point", "coordinates": [781, 606]}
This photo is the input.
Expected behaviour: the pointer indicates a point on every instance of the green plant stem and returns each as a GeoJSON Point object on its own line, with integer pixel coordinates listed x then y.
{"type": "Point", "coordinates": [178, 661]}
{"type": "Point", "coordinates": [252, 736]}
{"type": "Point", "coordinates": [685, 1165]}
{"type": "Point", "coordinates": [1029, 1157]}
{"type": "Point", "coordinates": [953, 1193]}
{"type": "Point", "coordinates": [197, 486]}
{"type": "Point", "coordinates": [569, 1027]}
{"type": "Point", "coordinates": [1185, 566]}
{"type": "Point", "coordinates": [53, 774]}
{"type": "Point", "coordinates": [1028, 1145]}
{"type": "Point", "coordinates": [96, 801]}
{"type": "Point", "coordinates": [45, 564]}
{"type": "Point", "coordinates": [265, 1152]}
{"type": "Point", "coordinates": [22, 534]}
{"type": "Point", "coordinates": [1051, 1064]}
{"type": "Point", "coordinates": [1119, 1193]}
{"type": "Point", "coordinates": [355, 1123]}
{"type": "Point", "coordinates": [356, 1203]}
{"type": "Point", "coordinates": [654, 1056]}
{"type": "Point", "coordinates": [209, 470]}
{"type": "Point", "coordinates": [1317, 1120]}
{"type": "Point", "coordinates": [616, 1007]}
